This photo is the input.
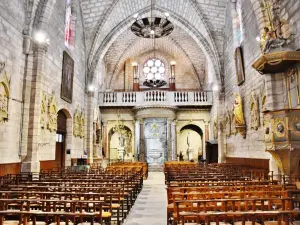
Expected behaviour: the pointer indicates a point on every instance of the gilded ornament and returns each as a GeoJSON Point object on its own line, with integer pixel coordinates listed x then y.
{"type": "Point", "coordinates": [279, 127]}
{"type": "Point", "coordinates": [81, 125]}
{"type": "Point", "coordinates": [52, 114]}
{"type": "Point", "coordinates": [4, 93]}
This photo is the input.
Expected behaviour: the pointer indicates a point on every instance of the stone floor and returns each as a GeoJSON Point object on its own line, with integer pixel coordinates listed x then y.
{"type": "Point", "coordinates": [150, 207]}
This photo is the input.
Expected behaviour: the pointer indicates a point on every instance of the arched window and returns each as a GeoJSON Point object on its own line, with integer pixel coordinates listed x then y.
{"type": "Point", "coordinates": [238, 26]}
{"type": "Point", "coordinates": [70, 24]}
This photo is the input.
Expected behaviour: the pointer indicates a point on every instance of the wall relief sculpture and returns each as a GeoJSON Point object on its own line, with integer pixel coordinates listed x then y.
{"type": "Point", "coordinates": [254, 112]}
{"type": "Point", "coordinates": [238, 113]}
{"type": "Point", "coordinates": [4, 93]}
{"type": "Point", "coordinates": [52, 114]}
{"type": "Point", "coordinates": [228, 123]}
{"type": "Point", "coordinates": [78, 123]}
{"type": "Point", "coordinates": [44, 111]}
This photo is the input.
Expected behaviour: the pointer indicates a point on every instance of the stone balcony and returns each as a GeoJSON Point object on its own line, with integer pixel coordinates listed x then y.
{"type": "Point", "coordinates": [155, 98]}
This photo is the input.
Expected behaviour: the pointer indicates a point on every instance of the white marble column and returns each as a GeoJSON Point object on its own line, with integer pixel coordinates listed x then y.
{"type": "Point", "coordinates": [137, 140]}
{"type": "Point", "coordinates": [169, 139]}
{"type": "Point", "coordinates": [174, 142]}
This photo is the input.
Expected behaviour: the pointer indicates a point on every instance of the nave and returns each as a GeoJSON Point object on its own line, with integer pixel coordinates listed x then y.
{"type": "Point", "coordinates": [185, 193]}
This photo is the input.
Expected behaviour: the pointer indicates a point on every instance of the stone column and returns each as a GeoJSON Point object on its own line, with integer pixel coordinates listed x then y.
{"type": "Point", "coordinates": [90, 126]}
{"type": "Point", "coordinates": [174, 141]}
{"type": "Point", "coordinates": [31, 163]}
{"type": "Point", "coordinates": [221, 133]}
{"type": "Point", "coordinates": [169, 139]}
{"type": "Point", "coordinates": [137, 140]}
{"type": "Point", "coordinates": [143, 152]}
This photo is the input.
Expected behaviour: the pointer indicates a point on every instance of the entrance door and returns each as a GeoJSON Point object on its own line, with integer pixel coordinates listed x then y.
{"type": "Point", "coordinates": [60, 150]}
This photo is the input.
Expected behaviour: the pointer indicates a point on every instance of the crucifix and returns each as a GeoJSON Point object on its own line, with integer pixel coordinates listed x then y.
{"type": "Point", "coordinates": [267, 7]}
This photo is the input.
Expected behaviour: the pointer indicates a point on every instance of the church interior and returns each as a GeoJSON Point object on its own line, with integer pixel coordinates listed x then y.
{"type": "Point", "coordinates": [149, 112]}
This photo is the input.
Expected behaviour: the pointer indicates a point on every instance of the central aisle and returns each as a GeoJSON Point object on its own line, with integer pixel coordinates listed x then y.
{"type": "Point", "coordinates": [151, 205]}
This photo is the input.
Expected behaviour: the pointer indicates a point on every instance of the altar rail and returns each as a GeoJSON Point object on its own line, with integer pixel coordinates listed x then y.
{"type": "Point", "coordinates": [156, 97]}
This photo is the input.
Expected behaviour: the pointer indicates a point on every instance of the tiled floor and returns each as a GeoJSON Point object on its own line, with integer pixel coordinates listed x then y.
{"type": "Point", "coordinates": [150, 207]}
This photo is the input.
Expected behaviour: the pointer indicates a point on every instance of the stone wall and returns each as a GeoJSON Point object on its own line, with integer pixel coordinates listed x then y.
{"type": "Point", "coordinates": [253, 146]}
{"type": "Point", "coordinates": [12, 18]}
{"type": "Point", "coordinates": [53, 77]}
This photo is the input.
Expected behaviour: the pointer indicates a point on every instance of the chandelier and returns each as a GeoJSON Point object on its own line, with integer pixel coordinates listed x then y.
{"type": "Point", "coordinates": [152, 27]}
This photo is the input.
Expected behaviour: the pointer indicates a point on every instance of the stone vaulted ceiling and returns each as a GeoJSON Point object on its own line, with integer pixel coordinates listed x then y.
{"type": "Point", "coordinates": [197, 35]}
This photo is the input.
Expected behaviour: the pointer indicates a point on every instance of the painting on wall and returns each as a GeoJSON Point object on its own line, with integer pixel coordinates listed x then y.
{"type": "Point", "coordinates": [239, 66]}
{"type": "Point", "coordinates": [67, 78]}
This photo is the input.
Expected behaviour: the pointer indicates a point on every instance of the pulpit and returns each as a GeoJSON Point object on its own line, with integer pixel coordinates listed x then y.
{"type": "Point", "coordinates": [282, 138]}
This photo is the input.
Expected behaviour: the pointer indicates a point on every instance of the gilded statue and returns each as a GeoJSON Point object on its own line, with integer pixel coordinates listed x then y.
{"type": "Point", "coordinates": [52, 114]}
{"type": "Point", "coordinates": [4, 93]}
{"type": "Point", "coordinates": [278, 31]}
{"type": "Point", "coordinates": [254, 112]}
{"type": "Point", "coordinates": [238, 110]}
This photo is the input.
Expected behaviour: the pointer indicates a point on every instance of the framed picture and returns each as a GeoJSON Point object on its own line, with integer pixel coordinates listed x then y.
{"type": "Point", "coordinates": [239, 66]}
{"type": "Point", "coordinates": [67, 78]}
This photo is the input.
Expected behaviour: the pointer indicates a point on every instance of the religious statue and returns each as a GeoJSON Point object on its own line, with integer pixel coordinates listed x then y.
{"type": "Point", "coordinates": [121, 140]}
{"type": "Point", "coordinates": [254, 112]}
{"type": "Point", "coordinates": [188, 140]}
{"type": "Point", "coordinates": [278, 32]}
{"type": "Point", "coordinates": [238, 110]}
{"type": "Point", "coordinates": [238, 114]}
{"type": "Point", "coordinates": [180, 156]}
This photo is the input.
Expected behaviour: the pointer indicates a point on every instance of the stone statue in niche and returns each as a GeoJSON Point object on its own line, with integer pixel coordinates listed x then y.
{"type": "Point", "coordinates": [254, 112]}
{"type": "Point", "coordinates": [4, 93]}
{"type": "Point", "coordinates": [44, 110]}
{"type": "Point", "coordinates": [121, 140]}
{"type": "Point", "coordinates": [278, 31]}
{"type": "Point", "coordinates": [52, 114]}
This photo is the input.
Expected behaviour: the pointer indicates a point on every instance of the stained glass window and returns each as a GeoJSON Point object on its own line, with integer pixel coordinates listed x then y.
{"type": "Point", "coordinates": [69, 26]}
{"type": "Point", "coordinates": [154, 69]}
{"type": "Point", "coordinates": [238, 23]}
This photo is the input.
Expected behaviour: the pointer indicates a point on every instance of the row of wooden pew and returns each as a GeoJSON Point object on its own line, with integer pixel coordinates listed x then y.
{"type": "Point", "coordinates": [227, 194]}
{"type": "Point", "coordinates": [99, 196]}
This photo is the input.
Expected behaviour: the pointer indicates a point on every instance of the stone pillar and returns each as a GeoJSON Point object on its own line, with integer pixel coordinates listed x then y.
{"type": "Point", "coordinates": [174, 141]}
{"type": "Point", "coordinates": [137, 140]}
{"type": "Point", "coordinates": [104, 140]}
{"type": "Point", "coordinates": [169, 139]}
{"type": "Point", "coordinates": [221, 133]}
{"type": "Point", "coordinates": [90, 126]}
{"type": "Point", "coordinates": [31, 163]}
{"type": "Point", "coordinates": [143, 151]}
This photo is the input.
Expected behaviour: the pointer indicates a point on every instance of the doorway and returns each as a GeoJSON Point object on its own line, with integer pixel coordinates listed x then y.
{"type": "Point", "coordinates": [60, 148]}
